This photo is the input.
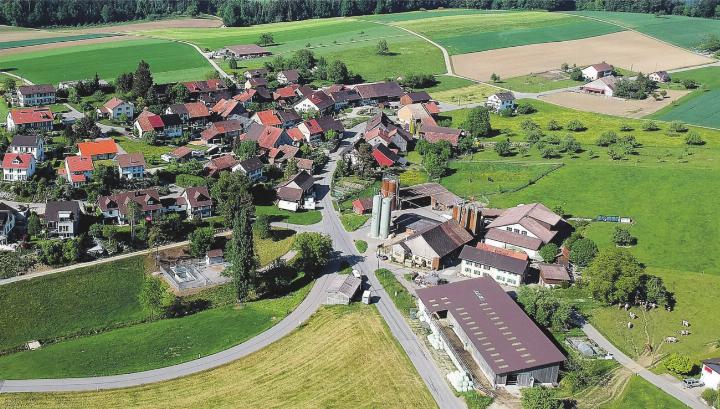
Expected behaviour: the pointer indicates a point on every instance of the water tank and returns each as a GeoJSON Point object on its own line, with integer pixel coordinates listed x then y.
{"type": "Point", "coordinates": [375, 218]}
{"type": "Point", "coordinates": [385, 217]}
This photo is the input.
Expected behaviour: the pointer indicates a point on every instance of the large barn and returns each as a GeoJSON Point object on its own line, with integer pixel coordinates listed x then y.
{"type": "Point", "coordinates": [488, 334]}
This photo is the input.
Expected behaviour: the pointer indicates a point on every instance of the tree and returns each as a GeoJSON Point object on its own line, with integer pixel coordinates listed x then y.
{"type": "Point", "coordinates": [583, 251]}
{"type": "Point", "coordinates": [303, 60]}
{"type": "Point", "coordinates": [570, 144]}
{"type": "Point", "coordinates": [415, 80]}
{"type": "Point", "coordinates": [240, 253]}
{"type": "Point", "coordinates": [232, 63]}
{"type": "Point", "coordinates": [151, 296]}
{"type": "Point", "coordinates": [434, 164]}
{"type": "Point", "coordinates": [554, 125]}
{"type": "Point", "coordinates": [337, 72]}
{"type": "Point", "coordinates": [246, 150]}
{"type": "Point", "coordinates": [650, 126]}
{"type": "Point", "coordinates": [539, 398]}
{"type": "Point", "coordinates": [382, 47]}
{"type": "Point", "coordinates": [265, 39]}
{"type": "Point", "coordinates": [655, 291]}
{"type": "Point", "coordinates": [262, 226]}
{"type": "Point", "coordinates": [622, 237]}
{"type": "Point", "coordinates": [142, 79]}
{"type": "Point", "coordinates": [85, 127]}
{"type": "Point", "coordinates": [179, 93]}
{"type": "Point", "coordinates": [549, 252]}
{"type": "Point", "coordinates": [477, 123]}
{"type": "Point", "coordinates": [466, 144]}
{"type": "Point", "coordinates": [365, 165]}
{"type": "Point", "coordinates": [678, 363]}
{"type": "Point", "coordinates": [576, 74]}
{"type": "Point", "coordinates": [51, 252]}
{"type": "Point", "coordinates": [314, 250]}
{"type": "Point", "coordinates": [693, 138]}
{"type": "Point", "coordinates": [231, 190]}
{"type": "Point", "coordinates": [34, 227]}
{"type": "Point", "coordinates": [201, 241]}
{"type": "Point", "coordinates": [291, 168]}
{"type": "Point", "coordinates": [575, 126]}
{"type": "Point", "coordinates": [503, 147]}
{"type": "Point", "coordinates": [614, 276]}
{"type": "Point", "coordinates": [71, 250]}
{"type": "Point", "coordinates": [494, 77]}
{"type": "Point", "coordinates": [9, 85]}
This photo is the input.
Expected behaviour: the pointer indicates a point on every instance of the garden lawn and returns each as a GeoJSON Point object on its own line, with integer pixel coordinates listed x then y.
{"type": "Point", "coordinates": [446, 82]}
{"type": "Point", "coordinates": [86, 299]}
{"type": "Point", "coordinates": [639, 393]}
{"type": "Point", "coordinates": [49, 40]}
{"type": "Point", "coordinates": [305, 217]}
{"type": "Point", "coordinates": [471, 94]}
{"type": "Point", "coordinates": [480, 32]}
{"type": "Point", "coordinates": [3, 109]}
{"type": "Point", "coordinates": [342, 378]}
{"type": "Point", "coordinates": [686, 32]}
{"type": "Point", "coordinates": [275, 247]}
{"type": "Point", "coordinates": [403, 300]}
{"type": "Point", "coordinates": [152, 153]}
{"type": "Point", "coordinates": [702, 106]}
{"type": "Point", "coordinates": [537, 83]}
{"type": "Point", "coordinates": [352, 221]}
{"type": "Point", "coordinates": [154, 344]}
{"type": "Point", "coordinates": [169, 61]}
{"type": "Point", "coordinates": [361, 246]}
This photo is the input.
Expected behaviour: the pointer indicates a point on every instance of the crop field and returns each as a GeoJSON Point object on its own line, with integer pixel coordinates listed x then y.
{"type": "Point", "coordinates": [418, 15]}
{"type": "Point", "coordinates": [49, 40]}
{"type": "Point", "coordinates": [487, 31]}
{"type": "Point", "coordinates": [631, 108]}
{"type": "Point", "coordinates": [342, 378]}
{"type": "Point", "coordinates": [686, 32]}
{"type": "Point", "coordinates": [169, 61]}
{"type": "Point", "coordinates": [351, 41]}
{"type": "Point", "coordinates": [629, 50]}
{"type": "Point", "coordinates": [702, 106]}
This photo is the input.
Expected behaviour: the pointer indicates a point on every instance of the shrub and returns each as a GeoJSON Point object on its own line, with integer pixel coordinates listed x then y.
{"type": "Point", "coordinates": [678, 363]}
{"type": "Point", "coordinates": [622, 237]}
{"type": "Point", "coordinates": [650, 126]}
{"type": "Point", "coordinates": [534, 136]}
{"type": "Point", "coordinates": [552, 139]}
{"type": "Point", "coordinates": [678, 126]}
{"type": "Point", "coordinates": [570, 144]}
{"type": "Point", "coordinates": [576, 126]}
{"type": "Point", "coordinates": [693, 138]}
{"type": "Point", "coordinates": [549, 151]}
{"type": "Point", "coordinates": [711, 397]}
{"type": "Point", "coordinates": [625, 127]}
{"type": "Point", "coordinates": [525, 109]}
{"type": "Point", "coordinates": [607, 138]}
{"type": "Point", "coordinates": [554, 125]}
{"type": "Point", "coordinates": [503, 148]}
{"type": "Point", "coordinates": [576, 74]}
{"type": "Point", "coordinates": [549, 252]}
{"type": "Point", "coordinates": [583, 251]}
{"type": "Point", "coordinates": [529, 125]}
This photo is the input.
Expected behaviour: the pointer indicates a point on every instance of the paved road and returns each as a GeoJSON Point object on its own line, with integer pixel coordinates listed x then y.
{"type": "Point", "coordinates": [675, 389]}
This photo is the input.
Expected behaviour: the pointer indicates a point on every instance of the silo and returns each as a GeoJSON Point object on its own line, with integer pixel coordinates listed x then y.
{"type": "Point", "coordinates": [385, 217]}
{"type": "Point", "coordinates": [393, 192]}
{"type": "Point", "coordinates": [375, 219]}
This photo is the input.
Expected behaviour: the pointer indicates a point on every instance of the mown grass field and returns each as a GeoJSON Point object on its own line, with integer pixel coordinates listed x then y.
{"type": "Point", "coordinates": [702, 106]}
{"type": "Point", "coordinates": [63, 304]}
{"type": "Point", "coordinates": [537, 83]}
{"type": "Point", "coordinates": [480, 32]}
{"type": "Point", "coordinates": [471, 94]}
{"type": "Point", "coordinates": [279, 215]}
{"type": "Point", "coordinates": [154, 344]}
{"type": "Point", "coordinates": [639, 393]}
{"type": "Point", "coordinates": [152, 153]}
{"type": "Point", "coordinates": [686, 32]}
{"type": "Point", "coordinates": [362, 367]}
{"type": "Point", "coordinates": [49, 40]}
{"type": "Point", "coordinates": [418, 15]}
{"type": "Point", "coordinates": [471, 179]}
{"type": "Point", "coordinates": [169, 61]}
{"type": "Point", "coordinates": [352, 41]}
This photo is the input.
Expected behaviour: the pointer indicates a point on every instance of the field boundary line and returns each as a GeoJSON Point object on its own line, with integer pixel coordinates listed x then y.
{"type": "Point", "coordinates": [18, 77]}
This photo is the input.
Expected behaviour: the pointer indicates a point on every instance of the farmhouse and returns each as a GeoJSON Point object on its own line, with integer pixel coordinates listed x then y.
{"type": "Point", "coordinates": [288, 77]}
{"type": "Point", "coordinates": [281, 154]}
{"type": "Point", "coordinates": [420, 97]}
{"type": "Point", "coordinates": [180, 154]}
{"type": "Point", "coordinates": [78, 170]}
{"type": "Point", "coordinates": [62, 218]}
{"type": "Point", "coordinates": [526, 228]}
{"type": "Point", "coordinates": [27, 119]}
{"type": "Point", "coordinates": [313, 130]}
{"type": "Point", "coordinates": [379, 92]}
{"type": "Point", "coordinates": [281, 118]}
{"type": "Point", "coordinates": [167, 125]}
{"type": "Point", "coordinates": [386, 158]}
{"type": "Point", "coordinates": [131, 165]}
{"type": "Point", "coordinates": [197, 89]}
{"type": "Point", "coordinates": [228, 109]}
{"type": "Point", "coordinates": [298, 192]}
{"type": "Point", "coordinates": [486, 331]}
{"type": "Point", "coordinates": [32, 144]}
{"type": "Point", "coordinates": [501, 101]}
{"type": "Point", "coordinates": [380, 129]}
{"type": "Point", "coordinates": [195, 114]}
{"type": "Point", "coordinates": [659, 76]}
{"type": "Point", "coordinates": [115, 108]}
{"type": "Point", "coordinates": [244, 51]}
{"type": "Point", "coordinates": [596, 71]}
{"type": "Point", "coordinates": [255, 73]}
{"type": "Point", "coordinates": [34, 95]}
{"type": "Point", "coordinates": [710, 374]}
{"type": "Point", "coordinates": [434, 133]}
{"type": "Point", "coordinates": [507, 267]}
{"type": "Point", "coordinates": [433, 246]}
{"type": "Point", "coordinates": [552, 275]}
{"type": "Point", "coordinates": [342, 289]}
{"type": "Point", "coordinates": [415, 114]}
{"type": "Point", "coordinates": [18, 166]}
{"type": "Point", "coordinates": [285, 95]}
{"type": "Point", "coordinates": [317, 101]}
{"type": "Point", "coordinates": [98, 149]}
{"type": "Point", "coordinates": [601, 86]}
{"type": "Point", "coordinates": [252, 168]}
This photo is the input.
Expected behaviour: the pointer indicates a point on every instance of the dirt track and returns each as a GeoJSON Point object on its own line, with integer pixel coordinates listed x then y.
{"type": "Point", "coordinates": [611, 106]}
{"type": "Point", "coordinates": [627, 49]}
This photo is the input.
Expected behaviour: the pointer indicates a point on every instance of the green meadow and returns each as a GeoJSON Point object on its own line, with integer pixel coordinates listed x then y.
{"type": "Point", "coordinates": [419, 15]}
{"type": "Point", "coordinates": [686, 32]}
{"type": "Point", "coordinates": [700, 107]}
{"type": "Point", "coordinates": [50, 40]}
{"type": "Point", "coordinates": [480, 32]}
{"type": "Point", "coordinates": [169, 61]}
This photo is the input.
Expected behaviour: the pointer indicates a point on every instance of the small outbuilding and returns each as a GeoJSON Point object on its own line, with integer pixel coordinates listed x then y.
{"type": "Point", "coordinates": [342, 289]}
{"type": "Point", "coordinates": [214, 256]}
{"type": "Point", "coordinates": [362, 206]}
{"type": "Point", "coordinates": [552, 275]}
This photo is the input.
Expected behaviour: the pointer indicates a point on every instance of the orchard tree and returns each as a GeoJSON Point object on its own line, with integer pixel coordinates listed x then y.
{"type": "Point", "coordinates": [503, 147]}
{"type": "Point", "coordinates": [382, 47]}
{"type": "Point", "coordinates": [435, 165]}
{"type": "Point", "coordinates": [265, 39]}
{"type": "Point", "coordinates": [477, 123]}
{"type": "Point", "coordinates": [622, 237]}
{"type": "Point", "coordinates": [614, 276]}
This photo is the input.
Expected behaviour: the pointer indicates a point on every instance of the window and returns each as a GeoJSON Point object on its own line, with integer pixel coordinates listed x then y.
{"type": "Point", "coordinates": [508, 228]}
{"type": "Point", "coordinates": [523, 232]}
{"type": "Point", "coordinates": [516, 230]}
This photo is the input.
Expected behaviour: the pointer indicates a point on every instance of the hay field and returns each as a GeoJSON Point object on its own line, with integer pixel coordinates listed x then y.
{"type": "Point", "coordinates": [629, 108]}
{"type": "Point", "coordinates": [344, 357]}
{"type": "Point", "coordinates": [628, 50]}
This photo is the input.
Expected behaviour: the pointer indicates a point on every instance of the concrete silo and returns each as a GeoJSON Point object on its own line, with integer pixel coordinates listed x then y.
{"type": "Point", "coordinates": [385, 217]}
{"type": "Point", "coordinates": [375, 218]}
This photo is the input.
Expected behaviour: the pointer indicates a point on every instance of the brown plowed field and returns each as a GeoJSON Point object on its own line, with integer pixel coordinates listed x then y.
{"type": "Point", "coordinates": [628, 108]}
{"type": "Point", "coordinates": [627, 49]}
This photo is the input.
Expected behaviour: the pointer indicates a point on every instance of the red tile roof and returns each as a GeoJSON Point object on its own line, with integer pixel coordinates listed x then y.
{"type": "Point", "coordinates": [181, 152]}
{"type": "Point", "coordinates": [313, 126]}
{"type": "Point", "coordinates": [197, 110]}
{"type": "Point", "coordinates": [284, 93]}
{"type": "Point", "coordinates": [98, 147]}
{"type": "Point", "coordinates": [113, 103]}
{"type": "Point", "coordinates": [24, 116]}
{"type": "Point", "coordinates": [295, 134]}
{"type": "Point", "coordinates": [268, 117]}
{"type": "Point", "coordinates": [245, 96]}
{"type": "Point", "coordinates": [78, 164]}
{"type": "Point", "coordinates": [23, 160]}
{"type": "Point", "coordinates": [384, 157]}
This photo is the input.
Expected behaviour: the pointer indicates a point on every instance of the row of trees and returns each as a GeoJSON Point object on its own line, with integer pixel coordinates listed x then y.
{"type": "Point", "coordinates": [699, 8]}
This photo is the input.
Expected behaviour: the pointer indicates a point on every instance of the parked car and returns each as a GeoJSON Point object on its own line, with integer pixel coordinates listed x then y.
{"type": "Point", "coordinates": [382, 257]}
{"type": "Point", "coordinates": [692, 383]}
